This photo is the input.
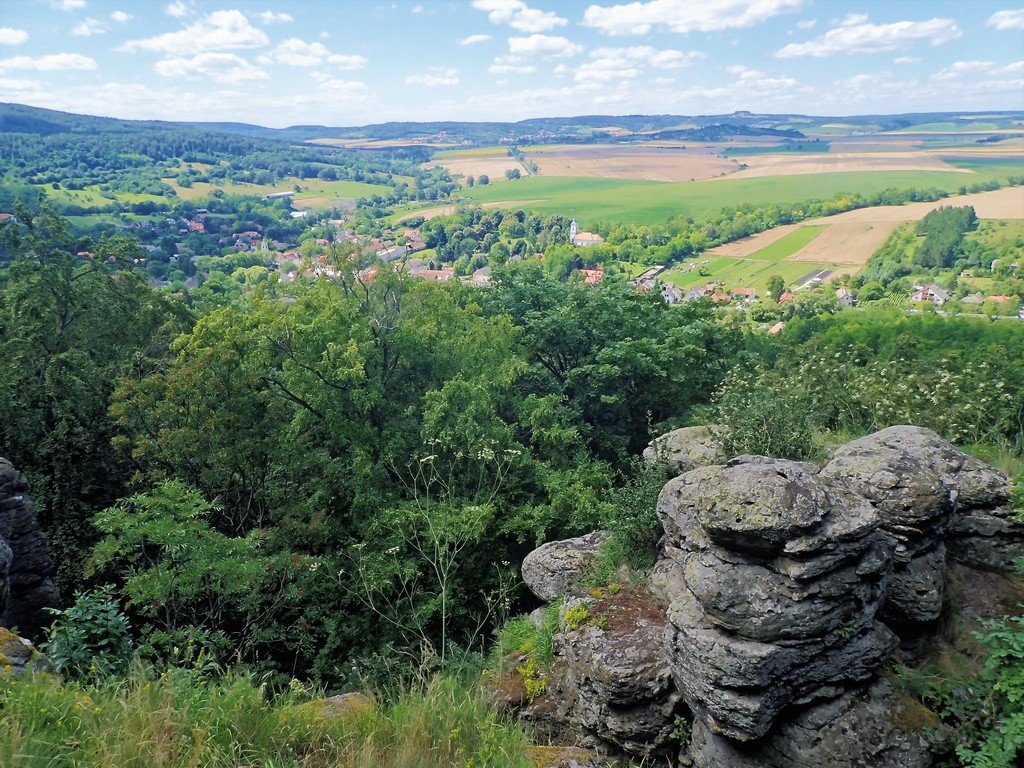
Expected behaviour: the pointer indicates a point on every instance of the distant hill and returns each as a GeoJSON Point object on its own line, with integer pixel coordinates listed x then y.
{"type": "Point", "coordinates": [18, 118]}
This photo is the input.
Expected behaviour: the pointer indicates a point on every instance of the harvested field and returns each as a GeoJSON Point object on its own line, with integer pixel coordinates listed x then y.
{"type": "Point", "coordinates": [848, 245]}
{"type": "Point", "coordinates": [797, 164]}
{"type": "Point", "coordinates": [648, 163]}
{"type": "Point", "coordinates": [848, 240]}
{"type": "Point", "coordinates": [488, 161]}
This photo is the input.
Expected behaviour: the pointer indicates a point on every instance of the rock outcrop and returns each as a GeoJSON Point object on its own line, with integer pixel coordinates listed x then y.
{"type": "Point", "coordinates": [19, 656]}
{"type": "Point", "coordinates": [784, 589]}
{"type": "Point", "coordinates": [610, 684]}
{"type": "Point", "coordinates": [774, 577]}
{"type": "Point", "coordinates": [25, 565]}
{"type": "Point", "coordinates": [687, 448]}
{"type": "Point", "coordinates": [558, 567]}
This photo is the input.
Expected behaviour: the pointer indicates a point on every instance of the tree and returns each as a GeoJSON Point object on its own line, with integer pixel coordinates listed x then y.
{"type": "Point", "coordinates": [512, 174]}
{"type": "Point", "coordinates": [470, 181]}
{"type": "Point", "coordinates": [776, 287]}
{"type": "Point", "coordinates": [483, 180]}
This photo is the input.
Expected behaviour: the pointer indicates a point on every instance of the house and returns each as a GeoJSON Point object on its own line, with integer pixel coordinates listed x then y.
{"type": "Point", "coordinates": [583, 238]}
{"type": "Point", "coordinates": [776, 329]}
{"type": "Point", "coordinates": [720, 297]}
{"type": "Point", "coordinates": [844, 297]}
{"type": "Point", "coordinates": [973, 298]}
{"type": "Point", "coordinates": [437, 275]}
{"type": "Point", "coordinates": [392, 253]}
{"type": "Point", "coordinates": [699, 292]}
{"type": "Point", "coordinates": [745, 294]}
{"type": "Point", "coordinates": [593, 276]}
{"type": "Point", "coordinates": [931, 293]}
{"type": "Point", "coordinates": [670, 294]}
{"type": "Point", "coordinates": [786, 296]}
{"type": "Point", "coordinates": [1001, 299]}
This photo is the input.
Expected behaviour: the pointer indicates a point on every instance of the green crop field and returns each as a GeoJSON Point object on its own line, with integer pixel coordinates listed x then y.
{"type": "Point", "coordinates": [786, 246]}
{"type": "Point", "coordinates": [739, 273]}
{"type": "Point", "coordinates": [315, 190]}
{"type": "Point", "coordinates": [652, 202]}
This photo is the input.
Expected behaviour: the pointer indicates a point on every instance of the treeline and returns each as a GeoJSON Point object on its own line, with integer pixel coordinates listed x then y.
{"type": "Point", "coordinates": [943, 231]}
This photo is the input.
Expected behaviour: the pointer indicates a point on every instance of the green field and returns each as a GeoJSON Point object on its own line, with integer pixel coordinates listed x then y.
{"type": "Point", "coordinates": [315, 192]}
{"type": "Point", "coordinates": [786, 246]}
{"type": "Point", "coordinates": [652, 202]}
{"type": "Point", "coordinates": [739, 273]}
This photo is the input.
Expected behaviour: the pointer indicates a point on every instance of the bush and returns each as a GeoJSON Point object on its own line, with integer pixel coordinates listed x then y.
{"type": "Point", "coordinates": [633, 519]}
{"type": "Point", "coordinates": [90, 639]}
{"type": "Point", "coordinates": [765, 417]}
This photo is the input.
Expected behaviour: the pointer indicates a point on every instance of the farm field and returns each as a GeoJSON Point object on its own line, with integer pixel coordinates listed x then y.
{"type": "Point", "coordinates": [842, 243]}
{"type": "Point", "coordinates": [649, 202]}
{"type": "Point", "coordinates": [794, 163]}
{"type": "Point", "coordinates": [488, 161]}
{"type": "Point", "coordinates": [315, 192]}
{"type": "Point", "coordinates": [651, 163]}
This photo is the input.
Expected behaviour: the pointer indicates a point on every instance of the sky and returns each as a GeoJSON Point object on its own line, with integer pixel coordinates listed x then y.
{"type": "Point", "coordinates": [352, 62]}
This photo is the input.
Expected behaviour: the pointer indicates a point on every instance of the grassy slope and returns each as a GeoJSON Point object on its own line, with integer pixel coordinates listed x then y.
{"type": "Point", "coordinates": [651, 202]}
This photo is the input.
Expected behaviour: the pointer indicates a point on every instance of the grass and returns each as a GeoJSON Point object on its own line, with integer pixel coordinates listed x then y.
{"type": "Point", "coordinates": [740, 273]}
{"type": "Point", "coordinates": [180, 719]}
{"type": "Point", "coordinates": [318, 192]}
{"type": "Point", "coordinates": [786, 148]}
{"type": "Point", "coordinates": [786, 246]}
{"type": "Point", "coordinates": [651, 202]}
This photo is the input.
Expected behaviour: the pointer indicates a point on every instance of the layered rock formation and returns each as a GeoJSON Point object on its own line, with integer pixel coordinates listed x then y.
{"type": "Point", "coordinates": [774, 577]}
{"type": "Point", "coordinates": [784, 588]}
{"type": "Point", "coordinates": [687, 448]}
{"type": "Point", "coordinates": [25, 565]}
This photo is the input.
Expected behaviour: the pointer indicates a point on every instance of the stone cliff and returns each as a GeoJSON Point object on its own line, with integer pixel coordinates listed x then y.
{"type": "Point", "coordinates": [781, 592]}
{"type": "Point", "coordinates": [25, 565]}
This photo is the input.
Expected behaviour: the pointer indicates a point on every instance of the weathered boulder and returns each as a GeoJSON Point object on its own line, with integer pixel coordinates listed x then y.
{"type": "Point", "coordinates": [18, 655]}
{"type": "Point", "coordinates": [858, 729]}
{"type": "Point", "coordinates": [559, 567]}
{"type": "Point", "coordinates": [28, 585]}
{"type": "Point", "coordinates": [687, 448]}
{"type": "Point", "coordinates": [773, 577]}
{"type": "Point", "coordinates": [610, 683]}
{"type": "Point", "coordinates": [928, 492]}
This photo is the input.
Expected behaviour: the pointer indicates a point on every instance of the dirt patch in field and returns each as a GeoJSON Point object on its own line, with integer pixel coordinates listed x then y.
{"type": "Point", "coordinates": [796, 165]}
{"type": "Point", "coordinates": [848, 245]}
{"type": "Point", "coordinates": [647, 163]}
{"type": "Point", "coordinates": [477, 166]}
{"type": "Point", "coordinates": [1005, 203]}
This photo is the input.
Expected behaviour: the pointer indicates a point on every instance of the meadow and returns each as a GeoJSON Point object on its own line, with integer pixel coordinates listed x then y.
{"type": "Point", "coordinates": [648, 202]}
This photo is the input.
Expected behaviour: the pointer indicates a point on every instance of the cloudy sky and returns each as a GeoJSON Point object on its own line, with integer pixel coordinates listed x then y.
{"type": "Point", "coordinates": [349, 62]}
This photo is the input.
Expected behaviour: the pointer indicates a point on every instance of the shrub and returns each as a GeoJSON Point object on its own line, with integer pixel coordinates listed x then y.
{"type": "Point", "coordinates": [633, 519]}
{"type": "Point", "coordinates": [90, 639]}
{"type": "Point", "coordinates": [765, 417]}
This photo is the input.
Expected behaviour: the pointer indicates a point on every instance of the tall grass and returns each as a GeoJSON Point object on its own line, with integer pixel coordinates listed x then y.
{"type": "Point", "coordinates": [182, 720]}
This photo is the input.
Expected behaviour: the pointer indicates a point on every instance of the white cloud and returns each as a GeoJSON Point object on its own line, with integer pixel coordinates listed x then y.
{"type": "Point", "coordinates": [958, 69]}
{"type": "Point", "coordinates": [177, 9]}
{"type": "Point", "coordinates": [435, 77]}
{"type": "Point", "coordinates": [907, 60]}
{"type": "Point", "coordinates": [807, 23]}
{"type": "Point", "coordinates": [856, 35]}
{"type": "Point", "coordinates": [519, 16]}
{"type": "Point", "coordinates": [220, 31]}
{"type": "Point", "coordinates": [507, 65]}
{"type": "Point", "coordinates": [683, 16]}
{"type": "Point", "coordinates": [88, 28]}
{"type": "Point", "coordinates": [270, 17]}
{"type": "Point", "coordinates": [474, 39]}
{"type": "Point", "coordinates": [70, 5]}
{"type": "Point", "coordinates": [623, 63]}
{"type": "Point", "coordinates": [543, 45]}
{"type": "Point", "coordinates": [17, 84]}
{"type": "Point", "coordinates": [121, 17]}
{"type": "Point", "coordinates": [417, 9]}
{"type": "Point", "coordinates": [299, 53]}
{"type": "Point", "coordinates": [10, 36]}
{"type": "Point", "coordinates": [53, 62]}
{"type": "Point", "coordinates": [1003, 20]}
{"type": "Point", "coordinates": [219, 67]}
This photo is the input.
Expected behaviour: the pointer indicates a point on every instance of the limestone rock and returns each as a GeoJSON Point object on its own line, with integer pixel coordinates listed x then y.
{"type": "Point", "coordinates": [687, 448]}
{"type": "Point", "coordinates": [855, 730]}
{"type": "Point", "coordinates": [27, 586]}
{"type": "Point", "coordinates": [565, 757]}
{"type": "Point", "coordinates": [558, 567]}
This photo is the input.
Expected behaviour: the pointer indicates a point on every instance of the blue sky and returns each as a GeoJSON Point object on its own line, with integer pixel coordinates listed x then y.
{"type": "Point", "coordinates": [349, 62]}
